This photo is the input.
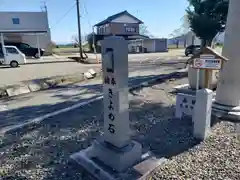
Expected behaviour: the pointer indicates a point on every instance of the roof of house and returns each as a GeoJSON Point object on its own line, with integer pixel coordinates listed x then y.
{"type": "Point", "coordinates": [206, 50]}
{"type": "Point", "coordinates": [138, 37]}
{"type": "Point", "coordinates": [110, 18]}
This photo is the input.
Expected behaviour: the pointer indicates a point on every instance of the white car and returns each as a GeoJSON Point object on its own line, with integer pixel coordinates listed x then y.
{"type": "Point", "coordinates": [13, 56]}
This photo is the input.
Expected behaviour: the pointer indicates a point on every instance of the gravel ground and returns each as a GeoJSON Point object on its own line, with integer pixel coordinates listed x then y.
{"type": "Point", "coordinates": [42, 153]}
{"type": "Point", "coordinates": [216, 158]}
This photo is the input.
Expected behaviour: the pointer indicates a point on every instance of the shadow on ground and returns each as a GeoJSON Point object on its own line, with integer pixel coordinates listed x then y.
{"type": "Point", "coordinates": [49, 145]}
{"type": "Point", "coordinates": [81, 93]}
{"type": "Point", "coordinates": [150, 65]}
{"type": "Point", "coordinates": [42, 151]}
{"type": "Point", "coordinates": [84, 61]}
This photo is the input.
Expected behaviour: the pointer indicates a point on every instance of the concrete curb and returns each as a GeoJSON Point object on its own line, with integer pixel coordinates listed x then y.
{"type": "Point", "coordinates": [43, 84]}
{"type": "Point", "coordinates": [38, 120]}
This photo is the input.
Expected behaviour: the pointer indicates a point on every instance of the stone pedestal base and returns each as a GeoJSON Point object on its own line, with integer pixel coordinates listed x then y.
{"type": "Point", "coordinates": [226, 112]}
{"type": "Point", "coordinates": [118, 159]}
{"type": "Point", "coordinates": [105, 162]}
{"type": "Point", "coordinates": [185, 89]}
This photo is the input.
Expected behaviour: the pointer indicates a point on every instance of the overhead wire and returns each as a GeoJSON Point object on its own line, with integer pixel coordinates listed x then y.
{"type": "Point", "coordinates": [64, 15]}
{"type": "Point", "coordinates": [87, 16]}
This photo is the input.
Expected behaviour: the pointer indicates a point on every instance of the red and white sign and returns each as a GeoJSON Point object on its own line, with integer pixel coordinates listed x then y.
{"type": "Point", "coordinates": [207, 62]}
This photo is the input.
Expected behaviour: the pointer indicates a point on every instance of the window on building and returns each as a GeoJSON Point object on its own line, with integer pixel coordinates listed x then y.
{"type": "Point", "coordinates": [101, 29]}
{"type": "Point", "coordinates": [15, 20]}
{"type": "Point", "coordinates": [104, 28]}
{"type": "Point", "coordinates": [130, 29]}
{"type": "Point", "coordinates": [11, 50]}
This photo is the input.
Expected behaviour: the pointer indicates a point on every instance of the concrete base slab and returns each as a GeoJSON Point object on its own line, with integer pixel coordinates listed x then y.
{"type": "Point", "coordinates": [45, 85]}
{"type": "Point", "coordinates": [34, 87]}
{"type": "Point", "coordinates": [184, 88]}
{"type": "Point", "coordinates": [133, 169]}
{"type": "Point", "coordinates": [226, 112]}
{"type": "Point", "coordinates": [88, 75]}
{"type": "Point", "coordinates": [14, 91]}
{"type": "Point", "coordinates": [121, 158]}
{"type": "Point", "coordinates": [92, 72]}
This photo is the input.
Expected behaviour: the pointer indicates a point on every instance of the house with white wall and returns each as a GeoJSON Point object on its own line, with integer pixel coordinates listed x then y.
{"type": "Point", "coordinates": [27, 27]}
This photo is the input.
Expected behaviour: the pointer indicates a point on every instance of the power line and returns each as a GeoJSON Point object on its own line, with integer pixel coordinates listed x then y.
{"type": "Point", "coordinates": [69, 10]}
{"type": "Point", "coordinates": [87, 14]}
{"type": "Point", "coordinates": [88, 19]}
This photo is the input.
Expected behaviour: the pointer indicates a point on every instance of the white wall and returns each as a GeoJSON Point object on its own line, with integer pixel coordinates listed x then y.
{"type": "Point", "coordinates": [191, 38]}
{"type": "Point", "coordinates": [29, 21]}
{"type": "Point", "coordinates": [149, 44]}
{"type": "Point", "coordinates": [220, 38]}
{"type": "Point", "coordinates": [125, 19]}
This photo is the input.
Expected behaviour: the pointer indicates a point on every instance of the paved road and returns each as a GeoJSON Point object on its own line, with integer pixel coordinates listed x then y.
{"type": "Point", "coordinates": [25, 107]}
{"type": "Point", "coordinates": [10, 76]}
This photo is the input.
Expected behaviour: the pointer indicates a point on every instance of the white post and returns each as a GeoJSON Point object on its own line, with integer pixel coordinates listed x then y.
{"type": "Point", "coordinates": [202, 113]}
{"type": "Point", "coordinates": [3, 47]}
{"type": "Point", "coordinates": [197, 83]}
{"type": "Point", "coordinates": [38, 46]}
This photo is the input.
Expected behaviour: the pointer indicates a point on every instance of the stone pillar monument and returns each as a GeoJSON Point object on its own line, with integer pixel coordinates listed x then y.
{"type": "Point", "coordinates": [228, 91]}
{"type": "Point", "coordinates": [115, 149]}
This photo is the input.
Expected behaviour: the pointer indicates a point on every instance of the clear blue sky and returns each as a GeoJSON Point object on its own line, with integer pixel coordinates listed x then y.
{"type": "Point", "coordinates": [160, 16]}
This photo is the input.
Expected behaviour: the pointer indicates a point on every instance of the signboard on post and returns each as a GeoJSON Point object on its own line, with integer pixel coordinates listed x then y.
{"type": "Point", "coordinates": [207, 61]}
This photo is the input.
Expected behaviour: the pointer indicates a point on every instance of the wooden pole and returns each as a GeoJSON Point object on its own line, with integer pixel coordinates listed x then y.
{"type": "Point", "coordinates": [206, 78]}
{"type": "Point", "coordinates": [79, 30]}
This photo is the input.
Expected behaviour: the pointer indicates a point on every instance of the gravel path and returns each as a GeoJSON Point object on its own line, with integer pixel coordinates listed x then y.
{"type": "Point", "coordinates": [42, 153]}
{"type": "Point", "coordinates": [216, 158]}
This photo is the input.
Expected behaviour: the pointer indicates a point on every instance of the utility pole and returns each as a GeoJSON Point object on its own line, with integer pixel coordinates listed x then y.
{"type": "Point", "coordinates": [79, 30]}
{"type": "Point", "coordinates": [44, 6]}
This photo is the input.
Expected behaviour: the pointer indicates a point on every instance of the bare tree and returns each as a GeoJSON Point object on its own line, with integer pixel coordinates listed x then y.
{"type": "Point", "coordinates": [183, 29]}
{"type": "Point", "coordinates": [75, 40]}
{"type": "Point", "coordinates": [143, 30]}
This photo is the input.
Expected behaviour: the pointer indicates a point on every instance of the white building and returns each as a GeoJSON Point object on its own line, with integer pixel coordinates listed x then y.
{"type": "Point", "coordinates": [27, 27]}
{"type": "Point", "coordinates": [185, 40]}
{"type": "Point", "coordinates": [220, 38]}
{"type": "Point", "coordinates": [150, 44]}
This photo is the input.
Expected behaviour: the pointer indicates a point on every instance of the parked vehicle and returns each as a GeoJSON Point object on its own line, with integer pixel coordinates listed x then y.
{"type": "Point", "coordinates": [13, 56]}
{"type": "Point", "coordinates": [26, 49]}
{"type": "Point", "coordinates": [192, 49]}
